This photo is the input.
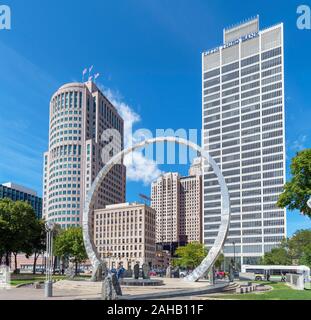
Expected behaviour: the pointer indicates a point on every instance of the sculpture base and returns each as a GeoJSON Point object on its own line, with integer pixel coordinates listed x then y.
{"type": "Point", "coordinates": [141, 282]}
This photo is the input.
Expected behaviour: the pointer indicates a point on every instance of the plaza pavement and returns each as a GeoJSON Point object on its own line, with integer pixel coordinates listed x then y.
{"type": "Point", "coordinates": [83, 289]}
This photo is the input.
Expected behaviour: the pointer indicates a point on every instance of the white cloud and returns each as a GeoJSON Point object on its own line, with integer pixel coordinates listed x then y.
{"type": "Point", "coordinates": [138, 167]}
{"type": "Point", "coordinates": [299, 144]}
{"type": "Point", "coordinates": [129, 116]}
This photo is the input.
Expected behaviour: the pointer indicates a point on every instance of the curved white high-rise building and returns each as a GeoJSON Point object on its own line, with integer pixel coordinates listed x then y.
{"type": "Point", "coordinates": [79, 114]}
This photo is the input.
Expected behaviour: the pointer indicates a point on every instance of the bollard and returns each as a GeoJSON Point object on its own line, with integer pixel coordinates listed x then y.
{"type": "Point", "coordinates": [48, 289]}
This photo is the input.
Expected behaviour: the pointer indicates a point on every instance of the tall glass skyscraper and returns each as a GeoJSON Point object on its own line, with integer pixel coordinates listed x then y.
{"type": "Point", "coordinates": [79, 114]}
{"type": "Point", "coordinates": [243, 130]}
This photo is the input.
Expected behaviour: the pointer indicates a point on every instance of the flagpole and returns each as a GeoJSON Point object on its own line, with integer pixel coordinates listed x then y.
{"type": "Point", "coordinates": [83, 74]}
{"type": "Point", "coordinates": [90, 69]}
{"type": "Point", "coordinates": [96, 76]}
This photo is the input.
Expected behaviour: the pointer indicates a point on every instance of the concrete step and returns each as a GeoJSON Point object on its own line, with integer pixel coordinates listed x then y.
{"type": "Point", "coordinates": [231, 287]}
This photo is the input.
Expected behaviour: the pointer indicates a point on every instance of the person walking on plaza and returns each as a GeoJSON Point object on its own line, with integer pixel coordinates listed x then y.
{"type": "Point", "coordinates": [120, 271]}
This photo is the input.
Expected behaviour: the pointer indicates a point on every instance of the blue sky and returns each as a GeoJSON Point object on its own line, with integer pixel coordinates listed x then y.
{"type": "Point", "coordinates": [149, 56]}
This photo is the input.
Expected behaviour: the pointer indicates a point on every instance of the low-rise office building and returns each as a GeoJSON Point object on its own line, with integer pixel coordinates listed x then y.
{"type": "Point", "coordinates": [20, 193]}
{"type": "Point", "coordinates": [125, 233]}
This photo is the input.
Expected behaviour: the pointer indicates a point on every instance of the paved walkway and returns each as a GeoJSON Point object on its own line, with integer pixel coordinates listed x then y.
{"type": "Point", "coordinates": [28, 293]}
{"type": "Point", "coordinates": [72, 290]}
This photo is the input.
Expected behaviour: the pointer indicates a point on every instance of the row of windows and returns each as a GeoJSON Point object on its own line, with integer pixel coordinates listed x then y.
{"type": "Point", "coordinates": [248, 232]}
{"type": "Point", "coordinates": [234, 75]}
{"type": "Point", "coordinates": [64, 119]}
{"type": "Point", "coordinates": [72, 99]}
{"type": "Point", "coordinates": [244, 147]}
{"type": "Point", "coordinates": [244, 62]}
{"type": "Point", "coordinates": [227, 122]}
{"type": "Point", "coordinates": [276, 104]}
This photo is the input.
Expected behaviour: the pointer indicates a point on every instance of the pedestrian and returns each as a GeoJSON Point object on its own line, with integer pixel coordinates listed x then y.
{"type": "Point", "coordinates": [268, 275]}
{"type": "Point", "coordinates": [120, 271]}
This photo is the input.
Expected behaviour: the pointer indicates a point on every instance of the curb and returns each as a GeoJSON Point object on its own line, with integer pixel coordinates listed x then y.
{"type": "Point", "coordinates": [173, 294]}
{"type": "Point", "coordinates": [27, 284]}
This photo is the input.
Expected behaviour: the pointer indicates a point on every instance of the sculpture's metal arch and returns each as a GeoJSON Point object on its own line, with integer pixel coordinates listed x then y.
{"type": "Point", "coordinates": [213, 253]}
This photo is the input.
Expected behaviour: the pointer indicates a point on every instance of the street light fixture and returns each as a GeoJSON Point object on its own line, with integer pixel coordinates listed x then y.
{"type": "Point", "coordinates": [234, 253]}
{"type": "Point", "coordinates": [48, 288]}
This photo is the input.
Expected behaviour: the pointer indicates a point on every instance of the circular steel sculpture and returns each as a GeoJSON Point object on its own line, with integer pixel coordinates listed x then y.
{"type": "Point", "coordinates": [213, 253]}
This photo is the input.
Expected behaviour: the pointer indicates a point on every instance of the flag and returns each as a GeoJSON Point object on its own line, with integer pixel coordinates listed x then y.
{"type": "Point", "coordinates": [96, 76]}
{"type": "Point", "coordinates": [91, 68]}
{"type": "Point", "coordinates": [84, 71]}
{"type": "Point", "coordinates": [90, 78]}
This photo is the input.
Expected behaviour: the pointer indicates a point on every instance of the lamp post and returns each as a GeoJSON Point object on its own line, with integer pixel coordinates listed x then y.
{"type": "Point", "coordinates": [48, 288]}
{"type": "Point", "coordinates": [234, 253]}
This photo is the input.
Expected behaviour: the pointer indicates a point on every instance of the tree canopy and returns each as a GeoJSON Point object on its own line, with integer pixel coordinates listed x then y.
{"type": "Point", "coordinates": [18, 228]}
{"type": "Point", "coordinates": [69, 245]}
{"type": "Point", "coordinates": [295, 250]}
{"type": "Point", "coordinates": [277, 256]}
{"type": "Point", "coordinates": [219, 262]}
{"type": "Point", "coordinates": [298, 190]}
{"type": "Point", "coordinates": [37, 242]}
{"type": "Point", "coordinates": [190, 256]}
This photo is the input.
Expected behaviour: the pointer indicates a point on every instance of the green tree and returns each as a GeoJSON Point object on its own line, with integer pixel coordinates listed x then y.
{"type": "Point", "coordinates": [5, 234]}
{"type": "Point", "coordinates": [190, 256]}
{"type": "Point", "coordinates": [298, 244]}
{"type": "Point", "coordinates": [220, 260]}
{"type": "Point", "coordinates": [17, 221]}
{"type": "Point", "coordinates": [69, 244]}
{"type": "Point", "coordinates": [277, 256]}
{"type": "Point", "coordinates": [298, 190]}
{"type": "Point", "coordinates": [23, 222]}
{"type": "Point", "coordinates": [305, 259]}
{"type": "Point", "coordinates": [37, 243]}
{"type": "Point", "coordinates": [56, 231]}
{"type": "Point", "coordinates": [294, 250]}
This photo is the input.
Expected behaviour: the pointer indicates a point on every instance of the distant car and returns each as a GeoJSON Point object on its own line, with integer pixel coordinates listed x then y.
{"type": "Point", "coordinates": [41, 270]}
{"type": "Point", "coordinates": [183, 273]}
{"type": "Point", "coordinates": [160, 272]}
{"type": "Point", "coordinates": [220, 274]}
{"type": "Point", "coordinates": [80, 271]}
{"type": "Point", "coordinates": [152, 273]}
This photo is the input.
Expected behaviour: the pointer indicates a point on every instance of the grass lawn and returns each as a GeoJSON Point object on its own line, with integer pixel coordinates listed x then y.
{"type": "Point", "coordinates": [27, 278]}
{"type": "Point", "coordinates": [30, 279]}
{"type": "Point", "coordinates": [280, 292]}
